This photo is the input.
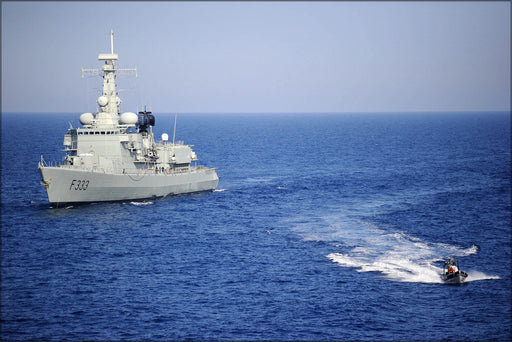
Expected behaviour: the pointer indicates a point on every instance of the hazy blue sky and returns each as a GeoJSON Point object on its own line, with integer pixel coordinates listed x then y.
{"type": "Point", "coordinates": [260, 56]}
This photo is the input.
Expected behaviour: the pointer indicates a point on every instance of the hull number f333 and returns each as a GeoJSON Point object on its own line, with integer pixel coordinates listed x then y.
{"type": "Point", "coordinates": [79, 184]}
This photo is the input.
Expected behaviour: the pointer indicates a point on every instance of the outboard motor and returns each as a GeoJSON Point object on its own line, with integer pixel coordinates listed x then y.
{"type": "Point", "coordinates": [145, 119]}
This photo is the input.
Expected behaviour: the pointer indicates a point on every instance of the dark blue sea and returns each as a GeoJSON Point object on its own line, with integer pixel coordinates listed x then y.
{"type": "Point", "coordinates": [323, 227]}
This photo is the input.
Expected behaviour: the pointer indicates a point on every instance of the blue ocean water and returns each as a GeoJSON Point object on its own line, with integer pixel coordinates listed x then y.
{"type": "Point", "coordinates": [323, 227]}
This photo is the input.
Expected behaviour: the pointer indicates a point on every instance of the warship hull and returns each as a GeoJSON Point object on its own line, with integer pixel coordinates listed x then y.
{"type": "Point", "coordinates": [67, 186]}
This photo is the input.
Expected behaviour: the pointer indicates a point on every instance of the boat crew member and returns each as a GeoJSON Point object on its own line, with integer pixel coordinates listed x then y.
{"type": "Point", "coordinates": [452, 267]}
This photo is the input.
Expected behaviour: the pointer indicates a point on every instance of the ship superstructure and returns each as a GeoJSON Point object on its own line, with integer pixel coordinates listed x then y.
{"type": "Point", "coordinates": [114, 155]}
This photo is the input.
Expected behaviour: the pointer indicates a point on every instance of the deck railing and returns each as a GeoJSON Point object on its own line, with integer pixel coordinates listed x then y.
{"type": "Point", "coordinates": [130, 171]}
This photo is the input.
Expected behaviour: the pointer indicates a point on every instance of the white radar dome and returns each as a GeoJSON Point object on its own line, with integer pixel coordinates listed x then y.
{"type": "Point", "coordinates": [165, 137]}
{"type": "Point", "coordinates": [86, 118]}
{"type": "Point", "coordinates": [128, 118]}
{"type": "Point", "coordinates": [102, 101]}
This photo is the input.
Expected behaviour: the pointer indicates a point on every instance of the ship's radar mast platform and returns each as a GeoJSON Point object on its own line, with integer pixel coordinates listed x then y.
{"type": "Point", "coordinates": [109, 101]}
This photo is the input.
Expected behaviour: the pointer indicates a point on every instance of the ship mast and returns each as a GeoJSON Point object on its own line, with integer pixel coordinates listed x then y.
{"type": "Point", "coordinates": [109, 101]}
{"type": "Point", "coordinates": [112, 42]}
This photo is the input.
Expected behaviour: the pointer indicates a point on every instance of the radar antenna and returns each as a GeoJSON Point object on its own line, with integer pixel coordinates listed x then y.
{"type": "Point", "coordinates": [112, 57]}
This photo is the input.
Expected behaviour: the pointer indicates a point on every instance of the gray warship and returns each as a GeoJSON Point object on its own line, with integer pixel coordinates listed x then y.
{"type": "Point", "coordinates": [114, 156]}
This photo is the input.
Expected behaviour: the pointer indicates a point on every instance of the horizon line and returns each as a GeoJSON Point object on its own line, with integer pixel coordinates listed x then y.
{"type": "Point", "coordinates": [281, 113]}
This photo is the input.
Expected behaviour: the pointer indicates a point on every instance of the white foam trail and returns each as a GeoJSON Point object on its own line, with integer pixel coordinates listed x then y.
{"type": "Point", "coordinates": [141, 203]}
{"type": "Point", "coordinates": [367, 248]}
{"type": "Point", "coordinates": [477, 275]}
{"type": "Point", "coordinates": [391, 268]}
{"type": "Point", "coordinates": [219, 190]}
{"type": "Point", "coordinates": [396, 264]}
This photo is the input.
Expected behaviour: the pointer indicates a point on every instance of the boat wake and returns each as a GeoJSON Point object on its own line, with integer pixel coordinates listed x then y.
{"type": "Point", "coordinates": [477, 275]}
{"type": "Point", "coordinates": [141, 203]}
{"type": "Point", "coordinates": [397, 256]}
